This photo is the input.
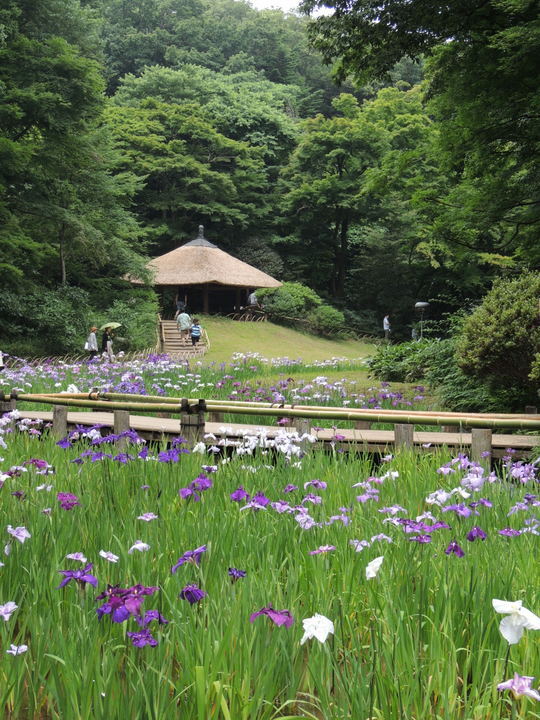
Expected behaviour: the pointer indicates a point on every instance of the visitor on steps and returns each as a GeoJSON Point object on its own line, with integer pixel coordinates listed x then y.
{"type": "Point", "coordinates": [196, 331]}
{"type": "Point", "coordinates": [184, 324]}
{"type": "Point", "coordinates": [180, 303]}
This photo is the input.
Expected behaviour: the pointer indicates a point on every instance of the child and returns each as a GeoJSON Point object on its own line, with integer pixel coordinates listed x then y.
{"type": "Point", "coordinates": [196, 331]}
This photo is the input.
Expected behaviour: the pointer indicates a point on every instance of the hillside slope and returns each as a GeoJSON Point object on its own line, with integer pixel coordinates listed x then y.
{"type": "Point", "coordinates": [227, 337]}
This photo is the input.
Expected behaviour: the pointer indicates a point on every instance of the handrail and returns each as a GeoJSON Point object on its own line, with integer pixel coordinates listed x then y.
{"type": "Point", "coordinates": [414, 418]}
{"type": "Point", "coordinates": [264, 404]}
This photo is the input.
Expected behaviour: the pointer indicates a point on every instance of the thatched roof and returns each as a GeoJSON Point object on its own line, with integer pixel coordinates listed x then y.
{"type": "Point", "coordinates": [199, 262]}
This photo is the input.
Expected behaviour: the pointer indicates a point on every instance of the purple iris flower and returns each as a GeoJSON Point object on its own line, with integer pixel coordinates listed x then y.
{"type": "Point", "coordinates": [422, 539]}
{"type": "Point", "coordinates": [64, 443]}
{"type": "Point", "coordinates": [67, 500]}
{"type": "Point", "coordinates": [81, 576]}
{"type": "Point", "coordinates": [281, 506]}
{"type": "Point", "coordinates": [239, 495]}
{"type": "Point", "coordinates": [439, 525]}
{"type": "Point", "coordinates": [290, 488]}
{"type": "Point", "coordinates": [142, 638]}
{"type": "Point", "coordinates": [260, 499]}
{"type": "Point", "coordinates": [461, 510]}
{"type": "Point", "coordinates": [318, 484]}
{"type": "Point", "coordinates": [483, 501]}
{"type": "Point", "coordinates": [190, 556]}
{"type": "Point", "coordinates": [236, 574]}
{"type": "Point", "coordinates": [188, 492]}
{"type": "Point", "coordinates": [476, 533]}
{"type": "Point", "coordinates": [201, 483]}
{"type": "Point", "coordinates": [123, 602]}
{"type": "Point", "coordinates": [278, 617]}
{"type": "Point", "coordinates": [192, 594]}
{"type": "Point", "coordinates": [150, 616]}
{"type": "Point", "coordinates": [520, 685]}
{"type": "Point", "coordinates": [454, 548]}
{"type": "Point", "coordinates": [509, 532]}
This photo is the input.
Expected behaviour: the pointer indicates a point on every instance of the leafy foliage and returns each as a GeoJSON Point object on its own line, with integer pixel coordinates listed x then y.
{"type": "Point", "coordinates": [499, 341]}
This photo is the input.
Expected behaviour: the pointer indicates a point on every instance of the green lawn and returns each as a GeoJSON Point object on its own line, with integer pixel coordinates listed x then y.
{"type": "Point", "coordinates": [228, 337]}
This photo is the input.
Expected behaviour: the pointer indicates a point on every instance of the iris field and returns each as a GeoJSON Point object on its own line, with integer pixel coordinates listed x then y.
{"type": "Point", "coordinates": [158, 582]}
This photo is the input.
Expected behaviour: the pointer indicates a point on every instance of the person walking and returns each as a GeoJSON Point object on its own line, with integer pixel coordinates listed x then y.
{"type": "Point", "coordinates": [387, 329]}
{"type": "Point", "coordinates": [184, 324]}
{"type": "Point", "coordinates": [91, 345]}
{"type": "Point", "coordinates": [107, 343]}
{"type": "Point", "coordinates": [196, 331]}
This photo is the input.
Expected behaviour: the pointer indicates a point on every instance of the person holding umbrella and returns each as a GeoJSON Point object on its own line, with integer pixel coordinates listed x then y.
{"type": "Point", "coordinates": [107, 339]}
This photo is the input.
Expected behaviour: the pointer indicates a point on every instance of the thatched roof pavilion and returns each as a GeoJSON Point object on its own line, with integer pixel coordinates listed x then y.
{"type": "Point", "coordinates": [211, 279]}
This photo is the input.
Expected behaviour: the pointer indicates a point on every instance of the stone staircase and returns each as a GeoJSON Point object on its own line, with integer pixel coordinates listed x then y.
{"type": "Point", "coordinates": [171, 343]}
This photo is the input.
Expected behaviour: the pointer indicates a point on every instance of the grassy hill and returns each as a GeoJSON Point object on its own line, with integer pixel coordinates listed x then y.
{"type": "Point", "coordinates": [228, 337]}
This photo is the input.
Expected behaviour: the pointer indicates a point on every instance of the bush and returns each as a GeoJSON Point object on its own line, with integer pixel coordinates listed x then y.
{"type": "Point", "coordinates": [326, 320]}
{"type": "Point", "coordinates": [499, 341]}
{"type": "Point", "coordinates": [406, 362]}
{"type": "Point", "coordinates": [291, 300]}
{"type": "Point", "coordinates": [434, 362]}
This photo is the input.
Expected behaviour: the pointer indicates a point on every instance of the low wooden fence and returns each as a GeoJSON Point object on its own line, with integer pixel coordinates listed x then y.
{"type": "Point", "coordinates": [194, 414]}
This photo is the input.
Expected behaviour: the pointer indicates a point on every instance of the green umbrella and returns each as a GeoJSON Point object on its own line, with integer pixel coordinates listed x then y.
{"type": "Point", "coordinates": [110, 326]}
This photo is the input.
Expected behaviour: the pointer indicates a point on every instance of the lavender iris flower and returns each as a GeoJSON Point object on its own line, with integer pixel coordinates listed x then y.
{"type": "Point", "coordinates": [322, 550]}
{"type": "Point", "coordinates": [192, 593]}
{"type": "Point", "coordinates": [454, 548]}
{"type": "Point", "coordinates": [67, 500]}
{"type": "Point", "coordinates": [509, 532]}
{"type": "Point", "coordinates": [123, 602]}
{"type": "Point", "coordinates": [81, 576]}
{"type": "Point", "coordinates": [150, 616]}
{"type": "Point", "coordinates": [476, 533]}
{"type": "Point", "coordinates": [190, 556]}
{"type": "Point", "coordinates": [520, 685]}
{"type": "Point", "coordinates": [278, 617]}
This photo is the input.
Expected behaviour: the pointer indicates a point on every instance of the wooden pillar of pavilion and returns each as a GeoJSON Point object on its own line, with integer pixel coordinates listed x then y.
{"type": "Point", "coordinates": [206, 304]}
{"type": "Point", "coordinates": [238, 300]}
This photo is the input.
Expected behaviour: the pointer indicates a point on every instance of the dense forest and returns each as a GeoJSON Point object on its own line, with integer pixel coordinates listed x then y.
{"type": "Point", "coordinates": [381, 155]}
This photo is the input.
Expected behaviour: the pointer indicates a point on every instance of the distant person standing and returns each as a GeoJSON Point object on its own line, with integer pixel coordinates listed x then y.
{"type": "Point", "coordinates": [184, 324]}
{"type": "Point", "coordinates": [91, 345]}
{"type": "Point", "coordinates": [252, 300]}
{"type": "Point", "coordinates": [196, 331]}
{"type": "Point", "coordinates": [387, 329]}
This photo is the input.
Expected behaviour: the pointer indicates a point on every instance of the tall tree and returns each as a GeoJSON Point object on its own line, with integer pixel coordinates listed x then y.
{"type": "Point", "coordinates": [323, 186]}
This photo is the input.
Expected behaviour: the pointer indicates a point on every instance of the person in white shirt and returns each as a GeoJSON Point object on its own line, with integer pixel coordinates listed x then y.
{"type": "Point", "coordinates": [386, 327]}
{"type": "Point", "coordinates": [91, 345]}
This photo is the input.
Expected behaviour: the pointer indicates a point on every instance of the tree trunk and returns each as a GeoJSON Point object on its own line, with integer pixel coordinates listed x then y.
{"type": "Point", "coordinates": [341, 257]}
{"type": "Point", "coordinates": [61, 239]}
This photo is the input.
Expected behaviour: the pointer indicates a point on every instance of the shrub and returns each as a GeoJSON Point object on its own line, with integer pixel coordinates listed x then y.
{"type": "Point", "coordinates": [405, 362]}
{"type": "Point", "coordinates": [326, 320]}
{"type": "Point", "coordinates": [291, 300]}
{"type": "Point", "coordinates": [499, 341]}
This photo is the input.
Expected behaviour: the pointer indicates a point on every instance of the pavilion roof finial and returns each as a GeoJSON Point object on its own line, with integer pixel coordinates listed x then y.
{"type": "Point", "coordinates": [201, 232]}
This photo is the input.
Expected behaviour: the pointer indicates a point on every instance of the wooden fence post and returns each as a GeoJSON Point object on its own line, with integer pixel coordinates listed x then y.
{"type": "Point", "coordinates": [216, 417]}
{"type": "Point", "coordinates": [403, 436]}
{"type": "Point", "coordinates": [481, 447]}
{"type": "Point", "coordinates": [303, 427]}
{"type": "Point", "coordinates": [121, 424]}
{"type": "Point", "coordinates": [362, 425]}
{"type": "Point", "coordinates": [531, 409]}
{"type": "Point", "coordinates": [192, 422]}
{"type": "Point", "coordinates": [59, 421]}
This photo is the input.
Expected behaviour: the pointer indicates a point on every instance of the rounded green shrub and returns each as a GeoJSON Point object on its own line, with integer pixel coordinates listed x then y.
{"type": "Point", "coordinates": [498, 342]}
{"type": "Point", "coordinates": [326, 320]}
